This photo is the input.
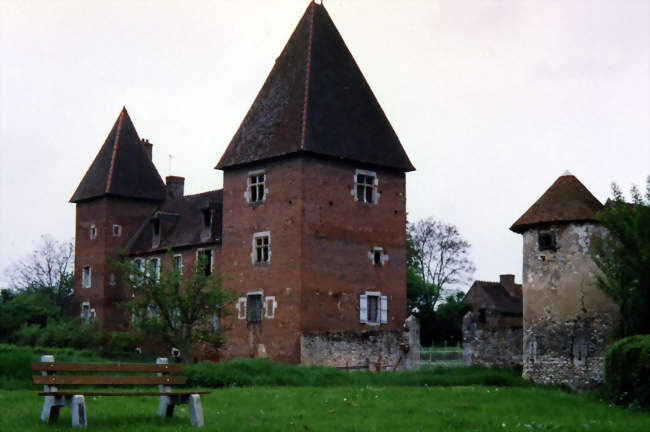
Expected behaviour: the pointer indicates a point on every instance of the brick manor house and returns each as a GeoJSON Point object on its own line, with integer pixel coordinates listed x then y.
{"type": "Point", "coordinates": [309, 227]}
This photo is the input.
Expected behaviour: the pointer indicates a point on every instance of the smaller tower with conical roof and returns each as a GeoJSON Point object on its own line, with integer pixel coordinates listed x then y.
{"type": "Point", "coordinates": [120, 190]}
{"type": "Point", "coordinates": [567, 319]}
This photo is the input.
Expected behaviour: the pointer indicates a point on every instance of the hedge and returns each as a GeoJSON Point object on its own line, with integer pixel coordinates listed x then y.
{"type": "Point", "coordinates": [627, 371]}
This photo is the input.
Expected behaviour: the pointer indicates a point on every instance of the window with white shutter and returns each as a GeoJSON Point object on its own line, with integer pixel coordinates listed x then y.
{"type": "Point", "coordinates": [363, 308]}
{"type": "Point", "coordinates": [241, 308]}
{"type": "Point", "coordinates": [373, 308]}
{"type": "Point", "coordinates": [383, 310]}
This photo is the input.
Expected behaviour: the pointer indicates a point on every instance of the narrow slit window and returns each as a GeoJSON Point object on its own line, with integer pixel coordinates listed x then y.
{"type": "Point", "coordinates": [86, 275]}
{"type": "Point", "coordinates": [93, 232]}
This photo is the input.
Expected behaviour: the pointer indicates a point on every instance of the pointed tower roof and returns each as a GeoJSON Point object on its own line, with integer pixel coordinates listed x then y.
{"type": "Point", "coordinates": [121, 168]}
{"type": "Point", "coordinates": [316, 100]}
{"type": "Point", "coordinates": [567, 200]}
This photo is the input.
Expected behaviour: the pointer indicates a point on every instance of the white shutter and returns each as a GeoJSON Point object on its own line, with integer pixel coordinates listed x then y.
{"type": "Point", "coordinates": [363, 308]}
{"type": "Point", "coordinates": [383, 310]}
{"type": "Point", "coordinates": [241, 308]}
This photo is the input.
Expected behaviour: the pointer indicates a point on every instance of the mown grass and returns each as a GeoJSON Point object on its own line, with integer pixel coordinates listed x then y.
{"type": "Point", "coordinates": [341, 409]}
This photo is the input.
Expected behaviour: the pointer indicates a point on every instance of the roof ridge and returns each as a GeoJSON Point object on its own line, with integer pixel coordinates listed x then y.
{"type": "Point", "coordinates": [307, 72]}
{"type": "Point", "coordinates": [117, 137]}
{"type": "Point", "coordinates": [204, 192]}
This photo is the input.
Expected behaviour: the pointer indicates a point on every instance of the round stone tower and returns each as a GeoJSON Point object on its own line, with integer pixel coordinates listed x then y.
{"type": "Point", "coordinates": [567, 319]}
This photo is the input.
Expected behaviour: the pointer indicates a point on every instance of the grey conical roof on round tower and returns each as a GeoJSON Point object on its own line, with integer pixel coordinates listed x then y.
{"type": "Point", "coordinates": [316, 100]}
{"type": "Point", "coordinates": [121, 168]}
{"type": "Point", "coordinates": [567, 200]}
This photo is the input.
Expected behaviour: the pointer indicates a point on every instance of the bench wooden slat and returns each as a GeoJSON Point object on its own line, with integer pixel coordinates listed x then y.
{"type": "Point", "coordinates": [107, 380]}
{"type": "Point", "coordinates": [106, 367]}
{"type": "Point", "coordinates": [120, 394]}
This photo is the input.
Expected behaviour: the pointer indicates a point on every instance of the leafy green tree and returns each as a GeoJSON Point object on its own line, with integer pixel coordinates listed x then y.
{"type": "Point", "coordinates": [623, 256]}
{"type": "Point", "coordinates": [182, 312]}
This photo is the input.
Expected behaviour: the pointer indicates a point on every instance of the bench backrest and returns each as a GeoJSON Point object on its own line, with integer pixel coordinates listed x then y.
{"type": "Point", "coordinates": [48, 375]}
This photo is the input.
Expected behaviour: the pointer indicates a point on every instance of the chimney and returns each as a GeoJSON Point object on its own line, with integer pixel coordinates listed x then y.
{"type": "Point", "coordinates": [148, 147]}
{"type": "Point", "coordinates": [175, 186]}
{"type": "Point", "coordinates": [508, 282]}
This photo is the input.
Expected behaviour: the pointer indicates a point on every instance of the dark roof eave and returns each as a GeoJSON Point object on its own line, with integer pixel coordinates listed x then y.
{"type": "Point", "coordinates": [521, 228]}
{"type": "Point", "coordinates": [174, 247]}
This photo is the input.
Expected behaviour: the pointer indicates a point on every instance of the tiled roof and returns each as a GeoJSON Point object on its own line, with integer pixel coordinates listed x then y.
{"type": "Point", "coordinates": [316, 100]}
{"type": "Point", "coordinates": [121, 168]}
{"type": "Point", "coordinates": [181, 224]}
{"type": "Point", "coordinates": [567, 200]}
{"type": "Point", "coordinates": [499, 298]}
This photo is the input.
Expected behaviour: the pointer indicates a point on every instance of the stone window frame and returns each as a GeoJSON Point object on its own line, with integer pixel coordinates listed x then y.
{"type": "Point", "coordinates": [117, 230]}
{"type": "Point", "coordinates": [253, 183]}
{"type": "Point", "coordinates": [92, 232]}
{"type": "Point", "coordinates": [365, 187]}
{"type": "Point", "coordinates": [382, 308]}
{"type": "Point", "coordinates": [86, 276]}
{"type": "Point", "coordinates": [254, 248]}
{"type": "Point", "coordinates": [378, 256]}
{"type": "Point", "coordinates": [211, 265]}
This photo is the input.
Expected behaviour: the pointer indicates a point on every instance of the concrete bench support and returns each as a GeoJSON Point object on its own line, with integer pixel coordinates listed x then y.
{"type": "Point", "coordinates": [52, 404]}
{"type": "Point", "coordinates": [167, 403]}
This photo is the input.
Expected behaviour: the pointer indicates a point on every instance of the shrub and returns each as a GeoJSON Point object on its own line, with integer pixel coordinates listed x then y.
{"type": "Point", "coordinates": [627, 371]}
{"type": "Point", "coordinates": [120, 342]}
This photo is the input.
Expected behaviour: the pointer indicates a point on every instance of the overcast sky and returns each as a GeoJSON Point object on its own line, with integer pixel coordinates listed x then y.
{"type": "Point", "coordinates": [492, 100]}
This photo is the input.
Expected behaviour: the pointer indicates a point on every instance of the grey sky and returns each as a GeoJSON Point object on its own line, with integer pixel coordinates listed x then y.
{"type": "Point", "coordinates": [492, 100]}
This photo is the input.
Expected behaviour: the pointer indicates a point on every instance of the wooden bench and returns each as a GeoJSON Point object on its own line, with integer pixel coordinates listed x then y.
{"type": "Point", "coordinates": [55, 399]}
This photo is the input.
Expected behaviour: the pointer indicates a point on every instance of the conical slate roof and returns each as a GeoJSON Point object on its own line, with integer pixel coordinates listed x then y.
{"type": "Point", "coordinates": [316, 100]}
{"type": "Point", "coordinates": [567, 200]}
{"type": "Point", "coordinates": [121, 168]}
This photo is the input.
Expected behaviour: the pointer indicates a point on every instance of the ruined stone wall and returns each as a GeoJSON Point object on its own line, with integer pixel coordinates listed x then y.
{"type": "Point", "coordinates": [497, 342]}
{"type": "Point", "coordinates": [374, 349]}
{"type": "Point", "coordinates": [567, 320]}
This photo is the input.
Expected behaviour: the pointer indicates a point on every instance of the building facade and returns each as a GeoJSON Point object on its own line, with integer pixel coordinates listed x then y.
{"type": "Point", "coordinates": [309, 227]}
{"type": "Point", "coordinates": [568, 320]}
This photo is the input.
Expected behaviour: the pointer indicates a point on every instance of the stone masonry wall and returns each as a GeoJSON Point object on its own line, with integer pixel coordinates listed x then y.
{"type": "Point", "coordinates": [375, 349]}
{"type": "Point", "coordinates": [490, 345]}
{"type": "Point", "coordinates": [567, 320]}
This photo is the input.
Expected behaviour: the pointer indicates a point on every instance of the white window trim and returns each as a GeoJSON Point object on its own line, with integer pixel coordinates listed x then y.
{"type": "Point", "coordinates": [198, 252]}
{"type": "Point", "coordinates": [383, 259]}
{"type": "Point", "coordinates": [86, 281]}
{"type": "Point", "coordinates": [117, 230]}
{"type": "Point", "coordinates": [382, 305]}
{"type": "Point", "coordinates": [241, 308]}
{"type": "Point", "coordinates": [247, 192]}
{"type": "Point", "coordinates": [84, 305]}
{"type": "Point", "coordinates": [375, 184]}
{"type": "Point", "coordinates": [269, 301]}
{"type": "Point", "coordinates": [92, 232]}
{"type": "Point", "coordinates": [174, 262]}
{"type": "Point", "coordinates": [254, 250]}
{"type": "Point", "coordinates": [156, 265]}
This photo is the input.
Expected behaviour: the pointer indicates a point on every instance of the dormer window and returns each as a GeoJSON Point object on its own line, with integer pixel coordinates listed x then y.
{"type": "Point", "coordinates": [365, 187]}
{"type": "Point", "coordinates": [207, 217]}
{"type": "Point", "coordinates": [547, 241]}
{"type": "Point", "coordinates": [93, 232]}
{"type": "Point", "coordinates": [256, 187]}
{"type": "Point", "coordinates": [156, 227]}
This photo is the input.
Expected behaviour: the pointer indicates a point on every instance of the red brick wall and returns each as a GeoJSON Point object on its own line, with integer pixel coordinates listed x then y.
{"type": "Point", "coordinates": [319, 252]}
{"type": "Point", "coordinates": [104, 212]}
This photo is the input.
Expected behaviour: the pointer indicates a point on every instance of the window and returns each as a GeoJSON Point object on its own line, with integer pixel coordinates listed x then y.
{"type": "Point", "coordinates": [93, 232]}
{"type": "Point", "coordinates": [204, 261]}
{"type": "Point", "coordinates": [155, 267]}
{"type": "Point", "coordinates": [254, 307]}
{"type": "Point", "coordinates": [482, 316]}
{"type": "Point", "coordinates": [261, 248]}
{"type": "Point", "coordinates": [117, 230]}
{"type": "Point", "coordinates": [85, 311]}
{"type": "Point", "coordinates": [178, 262]}
{"type": "Point", "coordinates": [86, 276]}
{"type": "Point", "coordinates": [256, 190]}
{"type": "Point", "coordinates": [207, 217]}
{"type": "Point", "coordinates": [365, 187]}
{"type": "Point", "coordinates": [373, 308]}
{"type": "Point", "coordinates": [215, 321]}
{"type": "Point", "coordinates": [156, 227]}
{"type": "Point", "coordinates": [111, 279]}
{"type": "Point", "coordinates": [546, 241]}
{"type": "Point", "coordinates": [378, 256]}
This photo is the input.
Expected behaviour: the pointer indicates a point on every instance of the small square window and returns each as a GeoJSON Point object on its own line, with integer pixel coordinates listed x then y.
{"type": "Point", "coordinates": [256, 187]}
{"type": "Point", "coordinates": [365, 183]}
{"type": "Point", "coordinates": [204, 257]}
{"type": "Point", "coordinates": [254, 307]}
{"type": "Point", "coordinates": [117, 230]}
{"type": "Point", "coordinates": [378, 256]}
{"type": "Point", "coordinates": [86, 275]}
{"type": "Point", "coordinates": [547, 241]}
{"type": "Point", "coordinates": [93, 232]}
{"type": "Point", "coordinates": [261, 248]}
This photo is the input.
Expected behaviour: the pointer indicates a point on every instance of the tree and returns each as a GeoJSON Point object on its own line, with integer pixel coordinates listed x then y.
{"type": "Point", "coordinates": [623, 256]}
{"type": "Point", "coordinates": [48, 271]}
{"type": "Point", "coordinates": [181, 312]}
{"type": "Point", "coordinates": [437, 258]}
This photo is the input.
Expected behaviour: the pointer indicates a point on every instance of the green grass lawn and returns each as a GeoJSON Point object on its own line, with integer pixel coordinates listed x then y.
{"type": "Point", "coordinates": [339, 409]}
